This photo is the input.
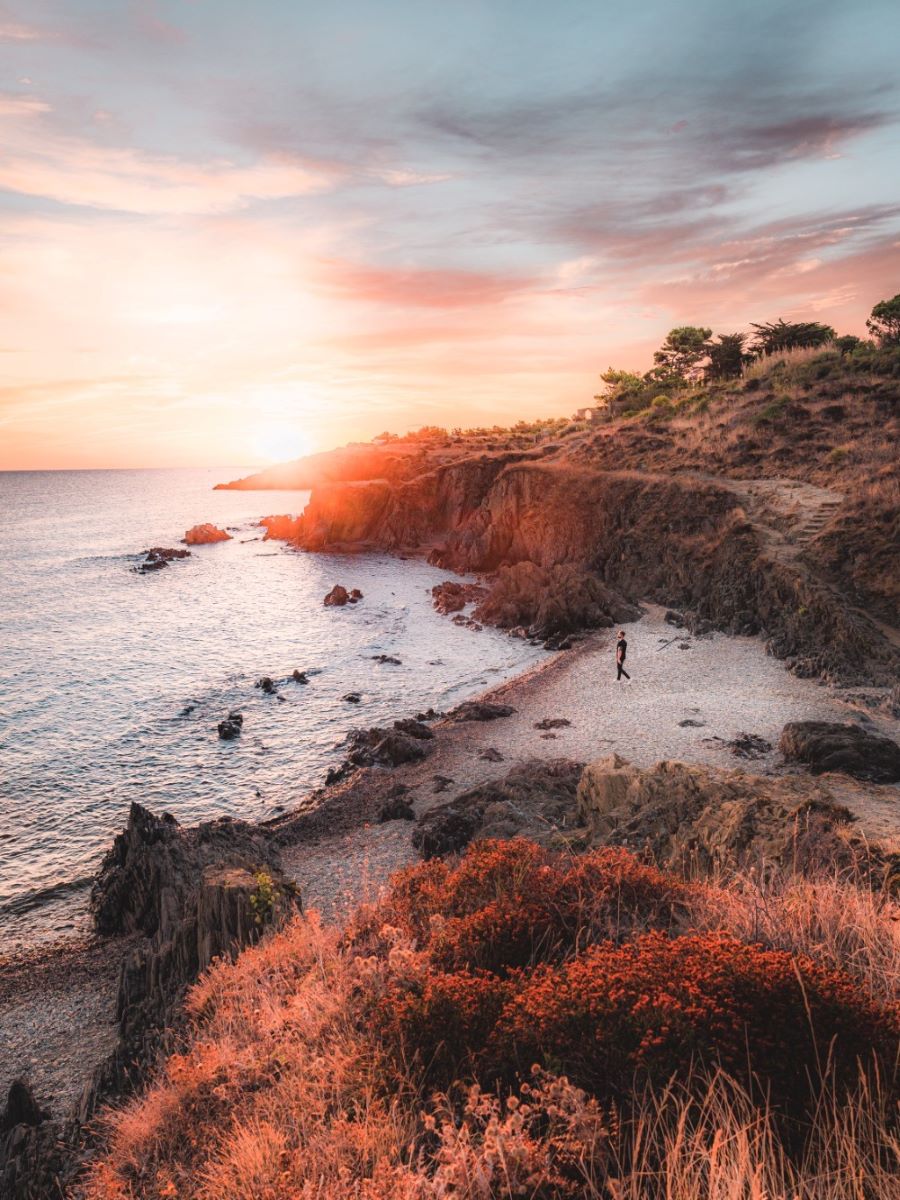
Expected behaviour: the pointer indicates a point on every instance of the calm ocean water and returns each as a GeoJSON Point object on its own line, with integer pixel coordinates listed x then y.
{"type": "Point", "coordinates": [111, 682]}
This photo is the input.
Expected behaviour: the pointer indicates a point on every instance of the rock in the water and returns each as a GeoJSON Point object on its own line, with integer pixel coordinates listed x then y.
{"type": "Point", "coordinates": [827, 746]}
{"type": "Point", "coordinates": [355, 596]}
{"type": "Point", "coordinates": [299, 676]}
{"type": "Point", "coordinates": [414, 729]}
{"type": "Point", "coordinates": [429, 714]}
{"type": "Point", "coordinates": [203, 535]}
{"type": "Point", "coordinates": [267, 685]}
{"type": "Point", "coordinates": [337, 597]}
{"type": "Point", "coordinates": [386, 659]}
{"type": "Point", "coordinates": [690, 723]}
{"type": "Point", "coordinates": [452, 597]}
{"type": "Point", "coordinates": [231, 726]}
{"type": "Point", "coordinates": [158, 558]}
{"type": "Point", "coordinates": [552, 723]}
{"type": "Point", "coordinates": [352, 697]}
{"type": "Point", "coordinates": [480, 710]}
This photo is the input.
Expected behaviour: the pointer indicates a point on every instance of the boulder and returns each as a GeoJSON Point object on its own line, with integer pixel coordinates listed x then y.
{"type": "Point", "coordinates": [395, 807]}
{"type": "Point", "coordinates": [355, 596]}
{"type": "Point", "coordinates": [384, 747]}
{"type": "Point", "coordinates": [452, 597]}
{"type": "Point", "coordinates": [299, 676]}
{"type": "Point", "coordinates": [413, 728]}
{"type": "Point", "coordinates": [352, 697]}
{"type": "Point", "coordinates": [203, 535]}
{"type": "Point", "coordinates": [387, 659]}
{"type": "Point", "coordinates": [552, 723]}
{"type": "Point", "coordinates": [480, 710]}
{"type": "Point", "coordinates": [828, 746]}
{"type": "Point", "coordinates": [534, 799]}
{"type": "Point", "coordinates": [337, 597]}
{"type": "Point", "coordinates": [267, 685]}
{"type": "Point", "coordinates": [231, 726]}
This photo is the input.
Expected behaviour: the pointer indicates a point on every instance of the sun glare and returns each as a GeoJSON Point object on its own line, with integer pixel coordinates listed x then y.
{"type": "Point", "coordinates": [279, 442]}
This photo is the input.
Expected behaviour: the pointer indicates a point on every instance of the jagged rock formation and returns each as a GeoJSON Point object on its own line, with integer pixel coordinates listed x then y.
{"type": "Point", "coordinates": [829, 746]}
{"type": "Point", "coordinates": [697, 818]}
{"type": "Point", "coordinates": [195, 894]}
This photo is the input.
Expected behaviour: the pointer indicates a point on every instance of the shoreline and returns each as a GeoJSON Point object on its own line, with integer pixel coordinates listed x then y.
{"type": "Point", "coordinates": [57, 1003]}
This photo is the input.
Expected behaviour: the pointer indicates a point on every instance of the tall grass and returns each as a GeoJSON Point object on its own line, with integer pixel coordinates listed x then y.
{"type": "Point", "coordinates": [759, 368]}
{"type": "Point", "coordinates": [279, 1093]}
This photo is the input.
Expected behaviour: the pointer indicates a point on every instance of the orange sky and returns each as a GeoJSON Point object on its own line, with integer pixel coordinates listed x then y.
{"type": "Point", "coordinates": [232, 236]}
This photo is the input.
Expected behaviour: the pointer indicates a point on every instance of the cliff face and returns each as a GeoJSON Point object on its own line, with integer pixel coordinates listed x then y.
{"type": "Point", "coordinates": [684, 541]}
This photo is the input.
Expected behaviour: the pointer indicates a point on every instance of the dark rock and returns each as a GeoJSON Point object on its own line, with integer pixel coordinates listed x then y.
{"type": "Point", "coordinates": [480, 710]}
{"type": "Point", "coordinates": [675, 618]}
{"type": "Point", "coordinates": [558, 642]}
{"type": "Point", "coordinates": [534, 798]}
{"type": "Point", "coordinates": [414, 729]}
{"type": "Point", "coordinates": [337, 597]}
{"type": "Point", "coordinates": [386, 658]}
{"type": "Point", "coordinates": [336, 774]}
{"type": "Point", "coordinates": [395, 808]}
{"type": "Point", "coordinates": [231, 726]}
{"type": "Point", "coordinates": [355, 596]}
{"type": "Point", "coordinates": [549, 737]}
{"type": "Point", "coordinates": [552, 723]}
{"type": "Point", "coordinates": [152, 564]}
{"type": "Point", "coordinates": [299, 676]}
{"type": "Point", "coordinates": [690, 723]}
{"type": "Point", "coordinates": [491, 754]}
{"type": "Point", "coordinates": [749, 745]}
{"type": "Point", "coordinates": [452, 597]}
{"type": "Point", "coordinates": [441, 783]}
{"type": "Point", "coordinates": [827, 746]}
{"type": "Point", "coordinates": [429, 714]}
{"type": "Point", "coordinates": [165, 554]}
{"type": "Point", "coordinates": [352, 697]}
{"type": "Point", "coordinates": [267, 685]}
{"type": "Point", "coordinates": [383, 747]}
{"type": "Point", "coordinates": [21, 1108]}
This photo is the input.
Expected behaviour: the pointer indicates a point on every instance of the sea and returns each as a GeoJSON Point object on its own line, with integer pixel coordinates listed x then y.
{"type": "Point", "coordinates": [112, 682]}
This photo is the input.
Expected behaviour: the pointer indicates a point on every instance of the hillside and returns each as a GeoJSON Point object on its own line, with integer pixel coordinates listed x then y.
{"type": "Point", "coordinates": [766, 504]}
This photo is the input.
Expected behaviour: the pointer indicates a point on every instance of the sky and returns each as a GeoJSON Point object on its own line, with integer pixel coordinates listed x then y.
{"type": "Point", "coordinates": [233, 231]}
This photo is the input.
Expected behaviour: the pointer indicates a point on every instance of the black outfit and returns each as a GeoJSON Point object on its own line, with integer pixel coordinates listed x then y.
{"type": "Point", "coordinates": [621, 648]}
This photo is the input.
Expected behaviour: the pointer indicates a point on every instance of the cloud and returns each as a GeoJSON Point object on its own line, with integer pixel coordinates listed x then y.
{"type": "Point", "coordinates": [37, 159]}
{"type": "Point", "coordinates": [420, 287]}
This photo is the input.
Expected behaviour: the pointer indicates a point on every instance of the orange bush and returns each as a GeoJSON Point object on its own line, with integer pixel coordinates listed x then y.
{"type": "Point", "coordinates": [509, 904]}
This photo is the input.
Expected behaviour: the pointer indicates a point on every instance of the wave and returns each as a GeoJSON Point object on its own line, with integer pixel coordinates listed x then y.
{"type": "Point", "coordinates": [38, 897]}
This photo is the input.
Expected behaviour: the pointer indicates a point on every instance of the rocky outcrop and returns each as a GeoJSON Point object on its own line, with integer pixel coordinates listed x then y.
{"type": "Point", "coordinates": [203, 535]}
{"type": "Point", "coordinates": [827, 746]}
{"type": "Point", "coordinates": [452, 597]}
{"type": "Point", "coordinates": [579, 543]}
{"type": "Point", "coordinates": [535, 798]}
{"type": "Point", "coordinates": [339, 596]}
{"type": "Point", "coordinates": [159, 558]}
{"type": "Point", "coordinates": [698, 818]}
{"type": "Point", "coordinates": [379, 747]}
{"type": "Point", "coordinates": [194, 895]}
{"type": "Point", "coordinates": [283, 527]}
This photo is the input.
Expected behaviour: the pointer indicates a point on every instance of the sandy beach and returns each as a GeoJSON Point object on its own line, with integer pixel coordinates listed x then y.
{"type": "Point", "coordinates": [722, 685]}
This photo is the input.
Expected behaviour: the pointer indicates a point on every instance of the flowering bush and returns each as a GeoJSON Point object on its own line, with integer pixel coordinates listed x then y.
{"type": "Point", "coordinates": [511, 904]}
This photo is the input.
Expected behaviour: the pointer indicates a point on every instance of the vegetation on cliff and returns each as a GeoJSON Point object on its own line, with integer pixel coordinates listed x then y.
{"type": "Point", "coordinates": [522, 1023]}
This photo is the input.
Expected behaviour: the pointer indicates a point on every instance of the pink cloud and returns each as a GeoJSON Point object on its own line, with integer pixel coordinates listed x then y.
{"type": "Point", "coordinates": [36, 159]}
{"type": "Point", "coordinates": [421, 288]}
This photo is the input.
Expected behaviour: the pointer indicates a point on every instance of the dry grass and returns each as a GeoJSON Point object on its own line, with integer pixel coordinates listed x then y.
{"type": "Point", "coordinates": [279, 1094]}
{"type": "Point", "coordinates": [760, 368]}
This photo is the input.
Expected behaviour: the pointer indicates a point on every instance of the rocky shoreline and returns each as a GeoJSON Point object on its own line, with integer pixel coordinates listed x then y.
{"type": "Point", "coordinates": [168, 899]}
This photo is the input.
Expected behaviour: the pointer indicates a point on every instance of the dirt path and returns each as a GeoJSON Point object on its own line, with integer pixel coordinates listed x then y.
{"type": "Point", "coordinates": [688, 697]}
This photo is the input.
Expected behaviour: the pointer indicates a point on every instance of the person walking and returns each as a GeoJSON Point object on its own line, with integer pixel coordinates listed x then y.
{"type": "Point", "coordinates": [621, 650]}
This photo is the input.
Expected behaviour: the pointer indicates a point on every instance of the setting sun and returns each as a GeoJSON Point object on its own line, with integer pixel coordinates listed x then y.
{"type": "Point", "coordinates": [279, 441]}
